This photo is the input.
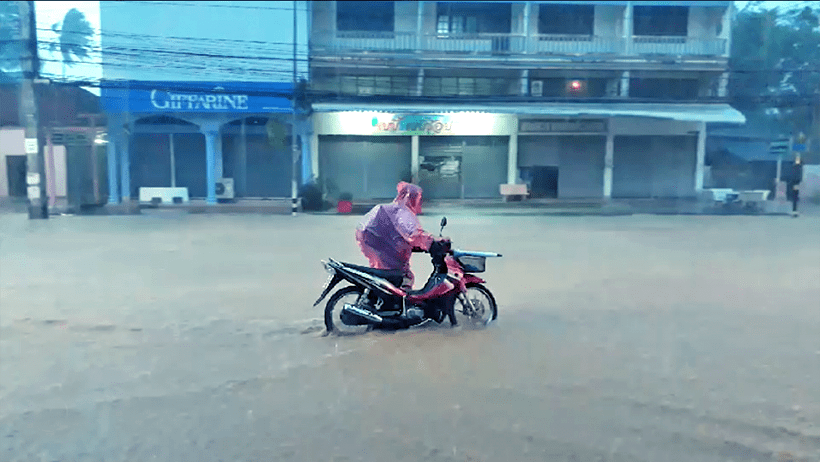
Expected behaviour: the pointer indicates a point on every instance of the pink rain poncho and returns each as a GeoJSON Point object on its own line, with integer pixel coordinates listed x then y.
{"type": "Point", "coordinates": [389, 232]}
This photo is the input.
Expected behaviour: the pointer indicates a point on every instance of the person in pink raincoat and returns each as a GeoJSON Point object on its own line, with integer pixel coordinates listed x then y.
{"type": "Point", "coordinates": [389, 232]}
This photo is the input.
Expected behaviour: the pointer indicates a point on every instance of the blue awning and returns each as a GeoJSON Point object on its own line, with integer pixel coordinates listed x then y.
{"type": "Point", "coordinates": [682, 112]}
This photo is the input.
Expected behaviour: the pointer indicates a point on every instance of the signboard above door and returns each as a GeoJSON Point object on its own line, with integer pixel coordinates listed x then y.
{"type": "Point", "coordinates": [562, 126]}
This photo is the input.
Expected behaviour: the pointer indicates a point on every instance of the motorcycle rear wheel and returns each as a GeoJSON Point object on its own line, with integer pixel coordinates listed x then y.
{"type": "Point", "coordinates": [333, 311]}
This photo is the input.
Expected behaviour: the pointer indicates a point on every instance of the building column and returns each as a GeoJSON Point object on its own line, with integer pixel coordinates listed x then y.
{"type": "Point", "coordinates": [113, 177]}
{"type": "Point", "coordinates": [314, 158]}
{"type": "Point", "coordinates": [628, 29]}
{"type": "Point", "coordinates": [624, 84]}
{"type": "Point", "coordinates": [420, 82]}
{"type": "Point", "coordinates": [241, 161]}
{"type": "Point", "coordinates": [701, 157]}
{"type": "Point", "coordinates": [211, 132]}
{"type": "Point", "coordinates": [414, 158]}
{"type": "Point", "coordinates": [173, 160]}
{"type": "Point", "coordinates": [722, 85]}
{"type": "Point", "coordinates": [512, 159]}
{"type": "Point", "coordinates": [526, 31]}
{"type": "Point", "coordinates": [125, 164]}
{"type": "Point", "coordinates": [609, 161]}
{"type": "Point", "coordinates": [419, 26]}
{"type": "Point", "coordinates": [219, 169]}
{"type": "Point", "coordinates": [525, 82]}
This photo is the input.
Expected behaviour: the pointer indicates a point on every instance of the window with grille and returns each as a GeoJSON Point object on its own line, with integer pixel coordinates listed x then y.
{"type": "Point", "coordinates": [365, 16]}
{"type": "Point", "coordinates": [566, 19]}
{"type": "Point", "coordinates": [667, 21]}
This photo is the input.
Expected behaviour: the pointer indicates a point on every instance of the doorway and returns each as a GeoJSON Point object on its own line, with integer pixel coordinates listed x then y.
{"type": "Point", "coordinates": [16, 173]}
{"type": "Point", "coordinates": [544, 182]}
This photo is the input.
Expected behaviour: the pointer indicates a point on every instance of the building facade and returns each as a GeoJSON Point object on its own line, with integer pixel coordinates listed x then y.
{"type": "Point", "coordinates": [577, 99]}
{"type": "Point", "coordinates": [200, 96]}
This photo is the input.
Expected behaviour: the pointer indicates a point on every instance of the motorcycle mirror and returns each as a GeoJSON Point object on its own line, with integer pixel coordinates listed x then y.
{"type": "Point", "coordinates": [443, 224]}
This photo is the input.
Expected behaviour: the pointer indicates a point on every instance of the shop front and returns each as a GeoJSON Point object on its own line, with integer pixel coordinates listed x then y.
{"type": "Point", "coordinates": [450, 154]}
{"type": "Point", "coordinates": [564, 151]}
{"type": "Point", "coordinates": [216, 140]}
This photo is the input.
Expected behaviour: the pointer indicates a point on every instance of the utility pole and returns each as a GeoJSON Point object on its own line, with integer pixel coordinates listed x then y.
{"type": "Point", "coordinates": [29, 117]}
{"type": "Point", "coordinates": [293, 146]}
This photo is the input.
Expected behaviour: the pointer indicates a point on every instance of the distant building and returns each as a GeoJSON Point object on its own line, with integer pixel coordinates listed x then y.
{"type": "Point", "coordinates": [192, 90]}
{"type": "Point", "coordinates": [577, 99]}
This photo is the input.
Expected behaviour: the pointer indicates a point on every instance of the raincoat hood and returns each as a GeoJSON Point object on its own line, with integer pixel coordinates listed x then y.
{"type": "Point", "coordinates": [409, 195]}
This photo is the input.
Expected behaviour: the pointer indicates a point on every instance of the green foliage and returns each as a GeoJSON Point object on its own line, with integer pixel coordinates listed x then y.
{"type": "Point", "coordinates": [772, 63]}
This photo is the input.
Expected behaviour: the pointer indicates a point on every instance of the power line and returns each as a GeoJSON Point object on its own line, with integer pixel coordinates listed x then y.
{"type": "Point", "coordinates": [208, 5]}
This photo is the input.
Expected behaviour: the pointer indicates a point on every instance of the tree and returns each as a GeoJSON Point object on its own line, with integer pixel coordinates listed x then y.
{"type": "Point", "coordinates": [75, 34]}
{"type": "Point", "coordinates": [774, 63]}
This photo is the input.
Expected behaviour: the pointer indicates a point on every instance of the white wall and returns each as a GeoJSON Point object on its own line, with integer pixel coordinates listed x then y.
{"type": "Point", "coordinates": [12, 143]}
{"type": "Point", "coordinates": [406, 16]}
{"type": "Point", "coordinates": [640, 126]}
{"type": "Point", "coordinates": [609, 20]}
{"type": "Point", "coordinates": [704, 21]}
{"type": "Point", "coordinates": [60, 172]}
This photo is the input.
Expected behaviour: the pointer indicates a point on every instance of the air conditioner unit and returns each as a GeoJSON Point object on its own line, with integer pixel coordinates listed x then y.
{"type": "Point", "coordinates": [224, 188]}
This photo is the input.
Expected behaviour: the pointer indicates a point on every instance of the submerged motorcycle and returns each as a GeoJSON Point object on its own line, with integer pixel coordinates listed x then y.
{"type": "Point", "coordinates": [374, 300]}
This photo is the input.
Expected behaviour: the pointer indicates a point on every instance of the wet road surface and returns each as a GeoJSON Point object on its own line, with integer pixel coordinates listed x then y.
{"type": "Point", "coordinates": [184, 337]}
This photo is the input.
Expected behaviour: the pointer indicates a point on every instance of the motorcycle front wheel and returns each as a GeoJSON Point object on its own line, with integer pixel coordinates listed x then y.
{"type": "Point", "coordinates": [334, 321]}
{"type": "Point", "coordinates": [486, 310]}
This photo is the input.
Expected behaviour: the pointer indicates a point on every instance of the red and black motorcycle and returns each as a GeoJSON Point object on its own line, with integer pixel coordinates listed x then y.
{"type": "Point", "coordinates": [374, 300]}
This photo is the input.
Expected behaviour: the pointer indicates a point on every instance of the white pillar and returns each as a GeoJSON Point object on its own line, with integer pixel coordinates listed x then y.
{"type": "Point", "coordinates": [113, 174]}
{"type": "Point", "coordinates": [628, 29]}
{"type": "Point", "coordinates": [701, 157]}
{"type": "Point", "coordinates": [512, 159]}
{"type": "Point", "coordinates": [314, 157]}
{"type": "Point", "coordinates": [723, 84]}
{"type": "Point", "coordinates": [219, 169]}
{"type": "Point", "coordinates": [525, 82]}
{"type": "Point", "coordinates": [420, 82]}
{"type": "Point", "coordinates": [414, 158]}
{"type": "Point", "coordinates": [609, 162]}
{"type": "Point", "coordinates": [211, 132]}
{"type": "Point", "coordinates": [527, 44]}
{"type": "Point", "coordinates": [625, 84]}
{"type": "Point", "coordinates": [125, 164]}
{"type": "Point", "coordinates": [419, 26]}
{"type": "Point", "coordinates": [173, 160]}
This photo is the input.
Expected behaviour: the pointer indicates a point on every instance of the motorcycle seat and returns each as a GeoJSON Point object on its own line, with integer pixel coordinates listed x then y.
{"type": "Point", "coordinates": [395, 277]}
{"type": "Point", "coordinates": [430, 285]}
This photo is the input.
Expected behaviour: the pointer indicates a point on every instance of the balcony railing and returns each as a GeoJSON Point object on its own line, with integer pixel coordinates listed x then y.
{"type": "Point", "coordinates": [576, 44]}
{"type": "Point", "coordinates": [371, 41]}
{"type": "Point", "coordinates": [490, 44]}
{"type": "Point", "coordinates": [476, 43]}
{"type": "Point", "coordinates": [650, 45]}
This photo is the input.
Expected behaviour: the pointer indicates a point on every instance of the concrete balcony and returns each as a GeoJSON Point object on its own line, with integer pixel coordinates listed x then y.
{"type": "Point", "coordinates": [683, 46]}
{"type": "Point", "coordinates": [347, 42]}
{"type": "Point", "coordinates": [476, 43]}
{"type": "Point", "coordinates": [576, 44]}
{"type": "Point", "coordinates": [368, 41]}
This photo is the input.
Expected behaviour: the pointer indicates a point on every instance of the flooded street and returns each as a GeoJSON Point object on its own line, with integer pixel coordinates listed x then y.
{"type": "Point", "coordinates": [192, 337]}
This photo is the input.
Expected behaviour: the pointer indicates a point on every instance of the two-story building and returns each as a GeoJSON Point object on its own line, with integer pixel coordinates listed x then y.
{"type": "Point", "coordinates": [199, 96]}
{"type": "Point", "coordinates": [577, 99]}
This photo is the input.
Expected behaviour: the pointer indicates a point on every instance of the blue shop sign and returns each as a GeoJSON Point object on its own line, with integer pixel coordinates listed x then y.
{"type": "Point", "coordinates": [199, 97]}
